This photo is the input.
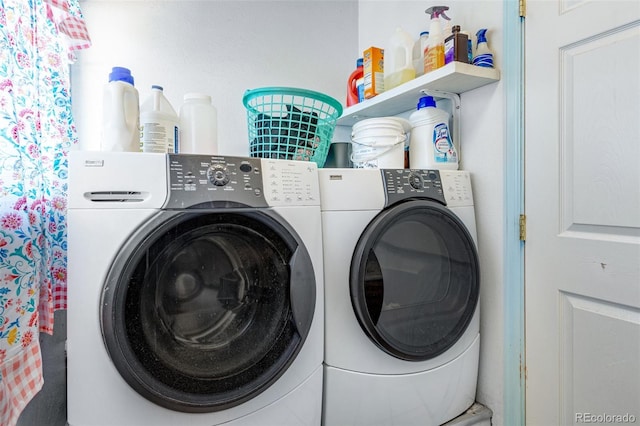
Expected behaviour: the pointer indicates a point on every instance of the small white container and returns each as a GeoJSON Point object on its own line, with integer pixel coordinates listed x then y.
{"type": "Point", "coordinates": [379, 143]}
{"type": "Point", "coordinates": [418, 52]}
{"type": "Point", "coordinates": [431, 146]}
{"type": "Point", "coordinates": [198, 125]}
{"type": "Point", "coordinates": [120, 113]}
{"type": "Point", "coordinates": [159, 124]}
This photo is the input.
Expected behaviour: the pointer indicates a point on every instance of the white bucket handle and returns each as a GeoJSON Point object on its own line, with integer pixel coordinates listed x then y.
{"type": "Point", "coordinates": [389, 147]}
{"type": "Point", "coordinates": [363, 159]}
{"type": "Point", "coordinates": [399, 139]}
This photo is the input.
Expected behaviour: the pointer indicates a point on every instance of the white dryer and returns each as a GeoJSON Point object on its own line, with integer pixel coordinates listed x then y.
{"type": "Point", "coordinates": [402, 285]}
{"type": "Point", "coordinates": [195, 291]}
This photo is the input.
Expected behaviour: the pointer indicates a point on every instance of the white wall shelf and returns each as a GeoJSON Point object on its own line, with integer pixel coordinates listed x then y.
{"type": "Point", "coordinates": [455, 77]}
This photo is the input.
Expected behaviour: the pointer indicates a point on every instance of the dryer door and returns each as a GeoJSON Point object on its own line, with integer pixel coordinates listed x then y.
{"type": "Point", "coordinates": [203, 311]}
{"type": "Point", "coordinates": [415, 280]}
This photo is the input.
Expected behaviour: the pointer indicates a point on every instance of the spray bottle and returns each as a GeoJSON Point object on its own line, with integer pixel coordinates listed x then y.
{"type": "Point", "coordinates": [484, 55]}
{"type": "Point", "coordinates": [434, 52]}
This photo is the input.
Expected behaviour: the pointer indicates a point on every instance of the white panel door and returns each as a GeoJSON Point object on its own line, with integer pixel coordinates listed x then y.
{"type": "Point", "coordinates": [582, 198]}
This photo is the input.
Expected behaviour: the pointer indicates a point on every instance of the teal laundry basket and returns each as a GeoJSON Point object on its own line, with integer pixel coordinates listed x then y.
{"type": "Point", "coordinates": [290, 123]}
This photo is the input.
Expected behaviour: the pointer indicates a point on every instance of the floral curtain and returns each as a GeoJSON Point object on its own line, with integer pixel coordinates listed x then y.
{"type": "Point", "coordinates": [38, 39]}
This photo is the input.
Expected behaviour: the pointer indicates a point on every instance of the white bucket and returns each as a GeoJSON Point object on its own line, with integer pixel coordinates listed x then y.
{"type": "Point", "coordinates": [379, 143]}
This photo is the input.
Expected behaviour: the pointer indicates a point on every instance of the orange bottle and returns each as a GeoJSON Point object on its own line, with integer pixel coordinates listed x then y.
{"type": "Point", "coordinates": [352, 86]}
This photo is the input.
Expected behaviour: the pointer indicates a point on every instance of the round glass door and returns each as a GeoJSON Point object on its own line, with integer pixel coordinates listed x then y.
{"type": "Point", "coordinates": [415, 280]}
{"type": "Point", "coordinates": [199, 309]}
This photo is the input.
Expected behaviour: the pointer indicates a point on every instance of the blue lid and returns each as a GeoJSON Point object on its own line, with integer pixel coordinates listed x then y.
{"type": "Point", "coordinates": [359, 62]}
{"type": "Point", "coordinates": [121, 74]}
{"type": "Point", "coordinates": [424, 33]}
{"type": "Point", "coordinates": [155, 86]}
{"type": "Point", "coordinates": [426, 101]}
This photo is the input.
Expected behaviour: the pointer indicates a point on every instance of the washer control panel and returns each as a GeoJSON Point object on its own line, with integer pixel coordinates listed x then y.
{"type": "Point", "coordinates": [401, 184]}
{"type": "Point", "coordinates": [457, 187]}
{"type": "Point", "coordinates": [207, 181]}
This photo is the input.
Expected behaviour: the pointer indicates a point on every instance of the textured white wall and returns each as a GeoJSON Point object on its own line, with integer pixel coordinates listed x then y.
{"type": "Point", "coordinates": [219, 47]}
{"type": "Point", "coordinates": [482, 131]}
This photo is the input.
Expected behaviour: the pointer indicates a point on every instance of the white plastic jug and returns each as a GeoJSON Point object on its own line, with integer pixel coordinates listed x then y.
{"type": "Point", "coordinates": [120, 113]}
{"type": "Point", "coordinates": [398, 60]}
{"type": "Point", "coordinates": [198, 125]}
{"type": "Point", "coordinates": [431, 146]}
{"type": "Point", "coordinates": [159, 123]}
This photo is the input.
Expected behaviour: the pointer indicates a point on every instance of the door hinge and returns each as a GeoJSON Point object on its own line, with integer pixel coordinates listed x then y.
{"type": "Point", "coordinates": [522, 8]}
{"type": "Point", "coordinates": [523, 227]}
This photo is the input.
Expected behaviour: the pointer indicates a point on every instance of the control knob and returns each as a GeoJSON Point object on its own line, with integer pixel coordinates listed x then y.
{"type": "Point", "coordinates": [218, 175]}
{"type": "Point", "coordinates": [415, 181]}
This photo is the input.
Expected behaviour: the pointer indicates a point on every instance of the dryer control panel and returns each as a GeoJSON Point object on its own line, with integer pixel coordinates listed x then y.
{"type": "Point", "coordinates": [211, 181]}
{"type": "Point", "coordinates": [401, 184]}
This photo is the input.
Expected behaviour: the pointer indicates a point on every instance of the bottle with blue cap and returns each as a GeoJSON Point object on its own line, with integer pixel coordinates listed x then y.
{"type": "Point", "coordinates": [418, 52]}
{"type": "Point", "coordinates": [120, 113]}
{"type": "Point", "coordinates": [430, 145]}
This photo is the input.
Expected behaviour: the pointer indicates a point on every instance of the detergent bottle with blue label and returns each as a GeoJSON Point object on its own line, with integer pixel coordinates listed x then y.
{"type": "Point", "coordinates": [430, 145]}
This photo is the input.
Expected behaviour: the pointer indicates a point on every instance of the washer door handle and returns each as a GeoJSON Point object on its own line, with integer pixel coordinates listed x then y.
{"type": "Point", "coordinates": [302, 290]}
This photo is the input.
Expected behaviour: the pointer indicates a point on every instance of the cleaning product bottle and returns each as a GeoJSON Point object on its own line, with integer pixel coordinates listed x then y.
{"type": "Point", "coordinates": [484, 55]}
{"type": "Point", "coordinates": [352, 84]}
{"type": "Point", "coordinates": [198, 125]}
{"type": "Point", "coordinates": [434, 52]}
{"type": "Point", "coordinates": [455, 46]}
{"type": "Point", "coordinates": [120, 113]}
{"type": "Point", "coordinates": [430, 145]}
{"type": "Point", "coordinates": [398, 60]}
{"type": "Point", "coordinates": [418, 52]}
{"type": "Point", "coordinates": [469, 46]}
{"type": "Point", "coordinates": [159, 124]}
{"type": "Point", "coordinates": [360, 87]}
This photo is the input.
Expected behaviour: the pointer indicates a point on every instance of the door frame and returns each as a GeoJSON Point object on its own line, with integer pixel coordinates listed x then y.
{"type": "Point", "coordinates": [514, 374]}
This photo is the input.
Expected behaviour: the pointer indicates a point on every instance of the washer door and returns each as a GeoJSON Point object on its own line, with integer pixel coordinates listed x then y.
{"type": "Point", "coordinates": [415, 280]}
{"type": "Point", "coordinates": [203, 311]}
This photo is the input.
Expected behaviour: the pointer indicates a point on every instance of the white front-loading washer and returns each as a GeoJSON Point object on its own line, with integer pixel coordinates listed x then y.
{"type": "Point", "coordinates": [401, 296]}
{"type": "Point", "coordinates": [195, 291]}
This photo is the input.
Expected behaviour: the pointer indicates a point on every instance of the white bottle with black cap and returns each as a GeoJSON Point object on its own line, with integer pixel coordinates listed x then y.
{"type": "Point", "coordinates": [159, 123]}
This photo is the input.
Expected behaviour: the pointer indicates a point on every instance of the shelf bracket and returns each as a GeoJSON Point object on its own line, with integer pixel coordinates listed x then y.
{"type": "Point", "coordinates": [455, 100]}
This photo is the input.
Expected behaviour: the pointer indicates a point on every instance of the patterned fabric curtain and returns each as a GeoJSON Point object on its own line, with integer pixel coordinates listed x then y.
{"type": "Point", "coordinates": [37, 40]}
